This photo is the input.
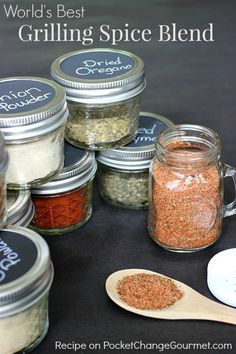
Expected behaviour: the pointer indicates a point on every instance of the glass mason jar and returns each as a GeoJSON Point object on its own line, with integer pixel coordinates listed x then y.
{"type": "Point", "coordinates": [20, 208]}
{"type": "Point", "coordinates": [186, 189]}
{"type": "Point", "coordinates": [103, 88]}
{"type": "Point", "coordinates": [65, 203]}
{"type": "Point", "coordinates": [24, 289]}
{"type": "Point", "coordinates": [123, 173]}
{"type": "Point", "coordinates": [33, 113]}
{"type": "Point", "coordinates": [4, 162]}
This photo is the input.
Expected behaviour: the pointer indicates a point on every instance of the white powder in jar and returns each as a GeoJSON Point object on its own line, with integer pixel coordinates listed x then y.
{"type": "Point", "coordinates": [19, 331]}
{"type": "Point", "coordinates": [35, 159]}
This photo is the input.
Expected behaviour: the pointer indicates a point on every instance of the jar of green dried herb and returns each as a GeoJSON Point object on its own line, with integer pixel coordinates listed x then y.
{"type": "Point", "coordinates": [123, 173]}
{"type": "Point", "coordinates": [103, 88]}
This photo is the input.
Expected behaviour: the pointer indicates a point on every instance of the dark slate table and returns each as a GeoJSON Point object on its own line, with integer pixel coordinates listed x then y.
{"type": "Point", "coordinates": [186, 82]}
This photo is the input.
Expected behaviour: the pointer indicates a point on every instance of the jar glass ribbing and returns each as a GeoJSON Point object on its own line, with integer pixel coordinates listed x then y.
{"type": "Point", "coordinates": [61, 213]}
{"type": "Point", "coordinates": [102, 126]}
{"type": "Point", "coordinates": [186, 189]}
{"type": "Point", "coordinates": [65, 203]}
{"type": "Point", "coordinates": [123, 188]}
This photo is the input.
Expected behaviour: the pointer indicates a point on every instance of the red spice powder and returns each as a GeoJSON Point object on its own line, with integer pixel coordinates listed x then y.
{"type": "Point", "coordinates": [148, 291]}
{"type": "Point", "coordinates": [60, 211]}
{"type": "Point", "coordinates": [186, 207]}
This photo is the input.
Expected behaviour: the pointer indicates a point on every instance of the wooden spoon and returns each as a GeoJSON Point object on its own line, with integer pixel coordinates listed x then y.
{"type": "Point", "coordinates": [192, 305]}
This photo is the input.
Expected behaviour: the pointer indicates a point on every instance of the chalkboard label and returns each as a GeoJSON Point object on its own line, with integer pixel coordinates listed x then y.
{"type": "Point", "coordinates": [17, 256]}
{"type": "Point", "coordinates": [149, 128]}
{"type": "Point", "coordinates": [97, 65]}
{"type": "Point", "coordinates": [18, 96]}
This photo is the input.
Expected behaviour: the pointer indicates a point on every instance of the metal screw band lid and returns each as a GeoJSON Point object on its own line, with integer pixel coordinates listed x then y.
{"type": "Point", "coordinates": [99, 75]}
{"type": "Point", "coordinates": [30, 106]}
{"type": "Point", "coordinates": [29, 273]}
{"type": "Point", "coordinates": [3, 154]}
{"type": "Point", "coordinates": [138, 153]}
{"type": "Point", "coordinates": [20, 208]}
{"type": "Point", "coordinates": [79, 167]}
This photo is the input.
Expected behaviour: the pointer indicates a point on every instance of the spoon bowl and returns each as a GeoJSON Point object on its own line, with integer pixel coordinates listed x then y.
{"type": "Point", "coordinates": [191, 306]}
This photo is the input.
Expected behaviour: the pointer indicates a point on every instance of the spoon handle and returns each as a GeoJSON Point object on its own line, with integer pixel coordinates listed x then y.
{"type": "Point", "coordinates": [211, 310]}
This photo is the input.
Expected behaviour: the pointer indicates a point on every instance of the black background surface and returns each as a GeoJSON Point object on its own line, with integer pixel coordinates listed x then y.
{"type": "Point", "coordinates": [186, 82]}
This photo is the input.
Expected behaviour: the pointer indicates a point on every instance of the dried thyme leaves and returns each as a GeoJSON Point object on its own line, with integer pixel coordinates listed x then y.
{"type": "Point", "coordinates": [148, 291]}
{"type": "Point", "coordinates": [124, 189]}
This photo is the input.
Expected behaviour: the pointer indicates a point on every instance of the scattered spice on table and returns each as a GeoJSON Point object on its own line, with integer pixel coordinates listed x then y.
{"type": "Point", "coordinates": [185, 211]}
{"type": "Point", "coordinates": [148, 291]}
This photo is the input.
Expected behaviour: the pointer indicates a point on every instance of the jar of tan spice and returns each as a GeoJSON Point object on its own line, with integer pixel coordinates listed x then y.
{"type": "Point", "coordinates": [103, 88]}
{"type": "Point", "coordinates": [186, 189]}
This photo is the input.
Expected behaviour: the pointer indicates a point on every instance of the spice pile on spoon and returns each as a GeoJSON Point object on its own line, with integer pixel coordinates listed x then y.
{"type": "Point", "coordinates": [148, 291]}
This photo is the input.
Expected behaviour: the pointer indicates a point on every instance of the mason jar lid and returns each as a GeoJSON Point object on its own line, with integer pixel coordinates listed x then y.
{"type": "Point", "coordinates": [100, 75]}
{"type": "Point", "coordinates": [26, 271]}
{"type": "Point", "coordinates": [137, 154]}
{"type": "Point", "coordinates": [79, 167]}
{"type": "Point", "coordinates": [20, 208]}
{"type": "Point", "coordinates": [30, 106]}
{"type": "Point", "coordinates": [3, 154]}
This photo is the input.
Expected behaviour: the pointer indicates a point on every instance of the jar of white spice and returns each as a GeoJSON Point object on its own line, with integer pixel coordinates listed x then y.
{"type": "Point", "coordinates": [26, 275]}
{"type": "Point", "coordinates": [20, 208]}
{"type": "Point", "coordinates": [103, 88]}
{"type": "Point", "coordinates": [33, 112]}
{"type": "Point", "coordinates": [123, 173]}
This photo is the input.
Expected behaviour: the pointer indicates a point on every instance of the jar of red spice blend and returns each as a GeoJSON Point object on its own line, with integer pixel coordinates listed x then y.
{"type": "Point", "coordinates": [65, 203]}
{"type": "Point", "coordinates": [33, 112]}
{"type": "Point", "coordinates": [186, 195]}
{"type": "Point", "coordinates": [103, 88]}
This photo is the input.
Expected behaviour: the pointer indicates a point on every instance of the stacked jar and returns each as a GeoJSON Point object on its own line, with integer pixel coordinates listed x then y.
{"type": "Point", "coordinates": [33, 113]}
{"type": "Point", "coordinates": [123, 173]}
{"type": "Point", "coordinates": [65, 203]}
{"type": "Point", "coordinates": [103, 88]}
